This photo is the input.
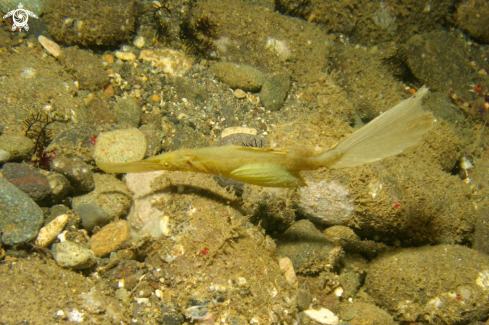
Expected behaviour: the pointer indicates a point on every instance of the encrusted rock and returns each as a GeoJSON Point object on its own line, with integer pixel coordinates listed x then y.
{"type": "Point", "coordinates": [172, 62]}
{"type": "Point", "coordinates": [326, 202]}
{"type": "Point", "coordinates": [78, 172]}
{"type": "Point", "coordinates": [71, 255]}
{"type": "Point", "coordinates": [109, 201]}
{"type": "Point", "coordinates": [17, 146]}
{"type": "Point", "coordinates": [239, 76]}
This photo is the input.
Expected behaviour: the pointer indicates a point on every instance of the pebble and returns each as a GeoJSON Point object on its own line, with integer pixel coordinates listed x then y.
{"type": "Point", "coordinates": [274, 91]}
{"type": "Point", "coordinates": [60, 185]}
{"type": "Point", "coordinates": [4, 156]}
{"type": "Point", "coordinates": [110, 238]}
{"type": "Point", "coordinates": [127, 112]}
{"type": "Point", "coordinates": [172, 62]}
{"type": "Point", "coordinates": [322, 316]}
{"type": "Point", "coordinates": [287, 267]}
{"type": "Point", "coordinates": [125, 56]}
{"type": "Point", "coordinates": [49, 232]}
{"type": "Point", "coordinates": [53, 48]}
{"type": "Point", "coordinates": [20, 217]}
{"type": "Point", "coordinates": [109, 201]}
{"type": "Point", "coordinates": [446, 283]}
{"type": "Point", "coordinates": [17, 146]}
{"type": "Point", "coordinates": [238, 130]}
{"type": "Point", "coordinates": [139, 42]}
{"type": "Point", "coordinates": [326, 202]}
{"type": "Point", "coordinates": [120, 146]}
{"type": "Point", "coordinates": [155, 98]}
{"type": "Point", "coordinates": [239, 93]}
{"type": "Point", "coordinates": [92, 216]}
{"type": "Point", "coordinates": [239, 76]}
{"type": "Point", "coordinates": [302, 237]}
{"type": "Point", "coordinates": [76, 171]}
{"type": "Point", "coordinates": [74, 256]}
{"type": "Point", "coordinates": [28, 180]}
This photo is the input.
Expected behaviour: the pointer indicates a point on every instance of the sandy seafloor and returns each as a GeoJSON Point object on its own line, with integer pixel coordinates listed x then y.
{"type": "Point", "coordinates": [400, 241]}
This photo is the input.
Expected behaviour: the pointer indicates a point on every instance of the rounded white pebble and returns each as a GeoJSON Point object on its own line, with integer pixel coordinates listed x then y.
{"type": "Point", "coordinates": [139, 42]}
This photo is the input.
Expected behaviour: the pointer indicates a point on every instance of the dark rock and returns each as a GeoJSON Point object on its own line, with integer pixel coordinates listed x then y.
{"type": "Point", "coordinates": [90, 23]}
{"type": "Point", "coordinates": [92, 216]}
{"type": "Point", "coordinates": [127, 112]}
{"type": "Point", "coordinates": [154, 136]}
{"type": "Point", "coordinates": [110, 195]}
{"type": "Point", "coordinates": [75, 142]}
{"type": "Point", "coordinates": [77, 172]}
{"type": "Point", "coordinates": [440, 60]}
{"type": "Point", "coordinates": [85, 67]}
{"type": "Point", "coordinates": [60, 185]}
{"type": "Point", "coordinates": [188, 138]}
{"type": "Point", "coordinates": [274, 91]}
{"type": "Point", "coordinates": [303, 237]}
{"type": "Point", "coordinates": [29, 181]}
{"type": "Point", "coordinates": [97, 109]}
{"type": "Point", "coordinates": [472, 16]}
{"type": "Point", "coordinates": [20, 217]}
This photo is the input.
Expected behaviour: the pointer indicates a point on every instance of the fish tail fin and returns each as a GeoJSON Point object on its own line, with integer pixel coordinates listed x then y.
{"type": "Point", "coordinates": [387, 135]}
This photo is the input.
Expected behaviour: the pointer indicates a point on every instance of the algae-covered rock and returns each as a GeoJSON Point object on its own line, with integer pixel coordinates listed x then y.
{"type": "Point", "coordinates": [239, 76]}
{"type": "Point", "coordinates": [90, 23]}
{"type": "Point", "coordinates": [444, 284]}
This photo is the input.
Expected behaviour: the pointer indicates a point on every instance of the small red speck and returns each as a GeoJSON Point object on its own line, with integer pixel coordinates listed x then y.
{"type": "Point", "coordinates": [458, 298]}
{"type": "Point", "coordinates": [93, 140]}
{"type": "Point", "coordinates": [205, 251]}
{"type": "Point", "coordinates": [397, 205]}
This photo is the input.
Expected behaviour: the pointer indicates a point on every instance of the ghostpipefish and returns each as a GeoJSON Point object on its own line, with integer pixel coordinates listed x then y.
{"type": "Point", "coordinates": [389, 134]}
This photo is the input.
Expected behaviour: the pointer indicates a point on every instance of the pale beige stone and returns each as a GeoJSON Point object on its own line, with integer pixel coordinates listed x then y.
{"type": "Point", "coordinates": [238, 129]}
{"type": "Point", "coordinates": [174, 63]}
{"type": "Point", "coordinates": [49, 232]}
{"type": "Point", "coordinates": [240, 94]}
{"type": "Point", "coordinates": [125, 56]}
{"type": "Point", "coordinates": [50, 46]}
{"type": "Point", "coordinates": [287, 267]}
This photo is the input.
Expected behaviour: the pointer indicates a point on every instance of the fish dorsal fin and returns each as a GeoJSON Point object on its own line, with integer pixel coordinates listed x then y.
{"type": "Point", "coordinates": [267, 174]}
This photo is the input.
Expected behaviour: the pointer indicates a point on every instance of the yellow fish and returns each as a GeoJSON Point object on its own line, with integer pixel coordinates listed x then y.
{"type": "Point", "coordinates": [389, 134]}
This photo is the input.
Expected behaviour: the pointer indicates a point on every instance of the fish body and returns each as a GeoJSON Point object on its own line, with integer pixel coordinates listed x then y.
{"type": "Point", "coordinates": [389, 134]}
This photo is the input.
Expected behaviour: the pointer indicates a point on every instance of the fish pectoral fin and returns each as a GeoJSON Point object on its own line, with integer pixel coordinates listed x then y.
{"type": "Point", "coordinates": [265, 174]}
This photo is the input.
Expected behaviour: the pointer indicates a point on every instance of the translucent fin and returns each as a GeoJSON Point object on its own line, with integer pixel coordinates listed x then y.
{"type": "Point", "coordinates": [389, 134]}
{"type": "Point", "coordinates": [264, 174]}
{"type": "Point", "coordinates": [129, 167]}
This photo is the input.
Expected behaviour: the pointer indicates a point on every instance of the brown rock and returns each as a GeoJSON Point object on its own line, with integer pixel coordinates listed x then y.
{"type": "Point", "coordinates": [110, 238]}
